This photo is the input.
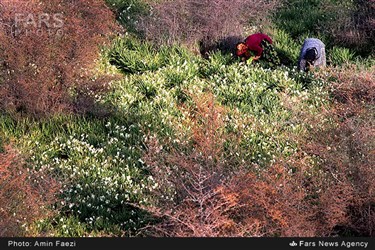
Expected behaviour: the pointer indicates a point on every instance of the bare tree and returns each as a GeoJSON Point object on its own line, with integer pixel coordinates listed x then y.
{"type": "Point", "coordinates": [206, 21]}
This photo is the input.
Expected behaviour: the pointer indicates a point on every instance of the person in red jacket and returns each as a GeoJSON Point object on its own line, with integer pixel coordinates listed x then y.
{"type": "Point", "coordinates": [252, 45]}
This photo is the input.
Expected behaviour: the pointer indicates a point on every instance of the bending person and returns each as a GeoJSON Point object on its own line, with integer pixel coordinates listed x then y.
{"type": "Point", "coordinates": [253, 45]}
{"type": "Point", "coordinates": [312, 55]}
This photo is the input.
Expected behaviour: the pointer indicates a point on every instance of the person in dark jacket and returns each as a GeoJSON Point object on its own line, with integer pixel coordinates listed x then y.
{"type": "Point", "coordinates": [253, 44]}
{"type": "Point", "coordinates": [312, 55]}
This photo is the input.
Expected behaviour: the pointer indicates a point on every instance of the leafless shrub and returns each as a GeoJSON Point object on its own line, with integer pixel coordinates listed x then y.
{"type": "Point", "coordinates": [207, 21]}
{"type": "Point", "coordinates": [47, 49]}
{"type": "Point", "coordinates": [190, 179]}
{"type": "Point", "coordinates": [203, 193]}
{"type": "Point", "coordinates": [24, 197]}
{"type": "Point", "coordinates": [347, 150]}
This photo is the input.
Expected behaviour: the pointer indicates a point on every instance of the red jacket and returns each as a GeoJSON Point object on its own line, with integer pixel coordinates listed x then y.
{"type": "Point", "coordinates": [253, 42]}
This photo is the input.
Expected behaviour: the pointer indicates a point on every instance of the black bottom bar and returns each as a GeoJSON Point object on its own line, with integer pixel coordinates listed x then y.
{"type": "Point", "coordinates": [188, 243]}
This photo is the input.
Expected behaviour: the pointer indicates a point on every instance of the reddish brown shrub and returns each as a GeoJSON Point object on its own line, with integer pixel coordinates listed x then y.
{"type": "Point", "coordinates": [191, 176]}
{"type": "Point", "coordinates": [346, 148]}
{"type": "Point", "coordinates": [203, 193]}
{"type": "Point", "coordinates": [47, 49]}
{"type": "Point", "coordinates": [277, 200]}
{"type": "Point", "coordinates": [24, 197]}
{"type": "Point", "coordinates": [207, 21]}
{"type": "Point", "coordinates": [325, 190]}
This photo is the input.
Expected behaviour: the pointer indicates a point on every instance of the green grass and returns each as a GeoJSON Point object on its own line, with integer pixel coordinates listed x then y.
{"type": "Point", "coordinates": [305, 18]}
{"type": "Point", "coordinates": [99, 161]}
{"type": "Point", "coordinates": [96, 161]}
{"type": "Point", "coordinates": [129, 12]}
{"type": "Point", "coordinates": [286, 47]}
{"type": "Point", "coordinates": [339, 56]}
{"type": "Point", "coordinates": [250, 89]}
{"type": "Point", "coordinates": [135, 56]}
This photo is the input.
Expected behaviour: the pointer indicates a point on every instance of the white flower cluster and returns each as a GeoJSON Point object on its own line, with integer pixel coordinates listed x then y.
{"type": "Point", "coordinates": [99, 175]}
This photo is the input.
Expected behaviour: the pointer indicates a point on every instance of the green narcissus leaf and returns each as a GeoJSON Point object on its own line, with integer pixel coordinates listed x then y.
{"type": "Point", "coordinates": [250, 60]}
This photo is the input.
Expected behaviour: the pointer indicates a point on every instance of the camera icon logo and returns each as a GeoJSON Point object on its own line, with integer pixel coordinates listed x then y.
{"type": "Point", "coordinates": [293, 244]}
